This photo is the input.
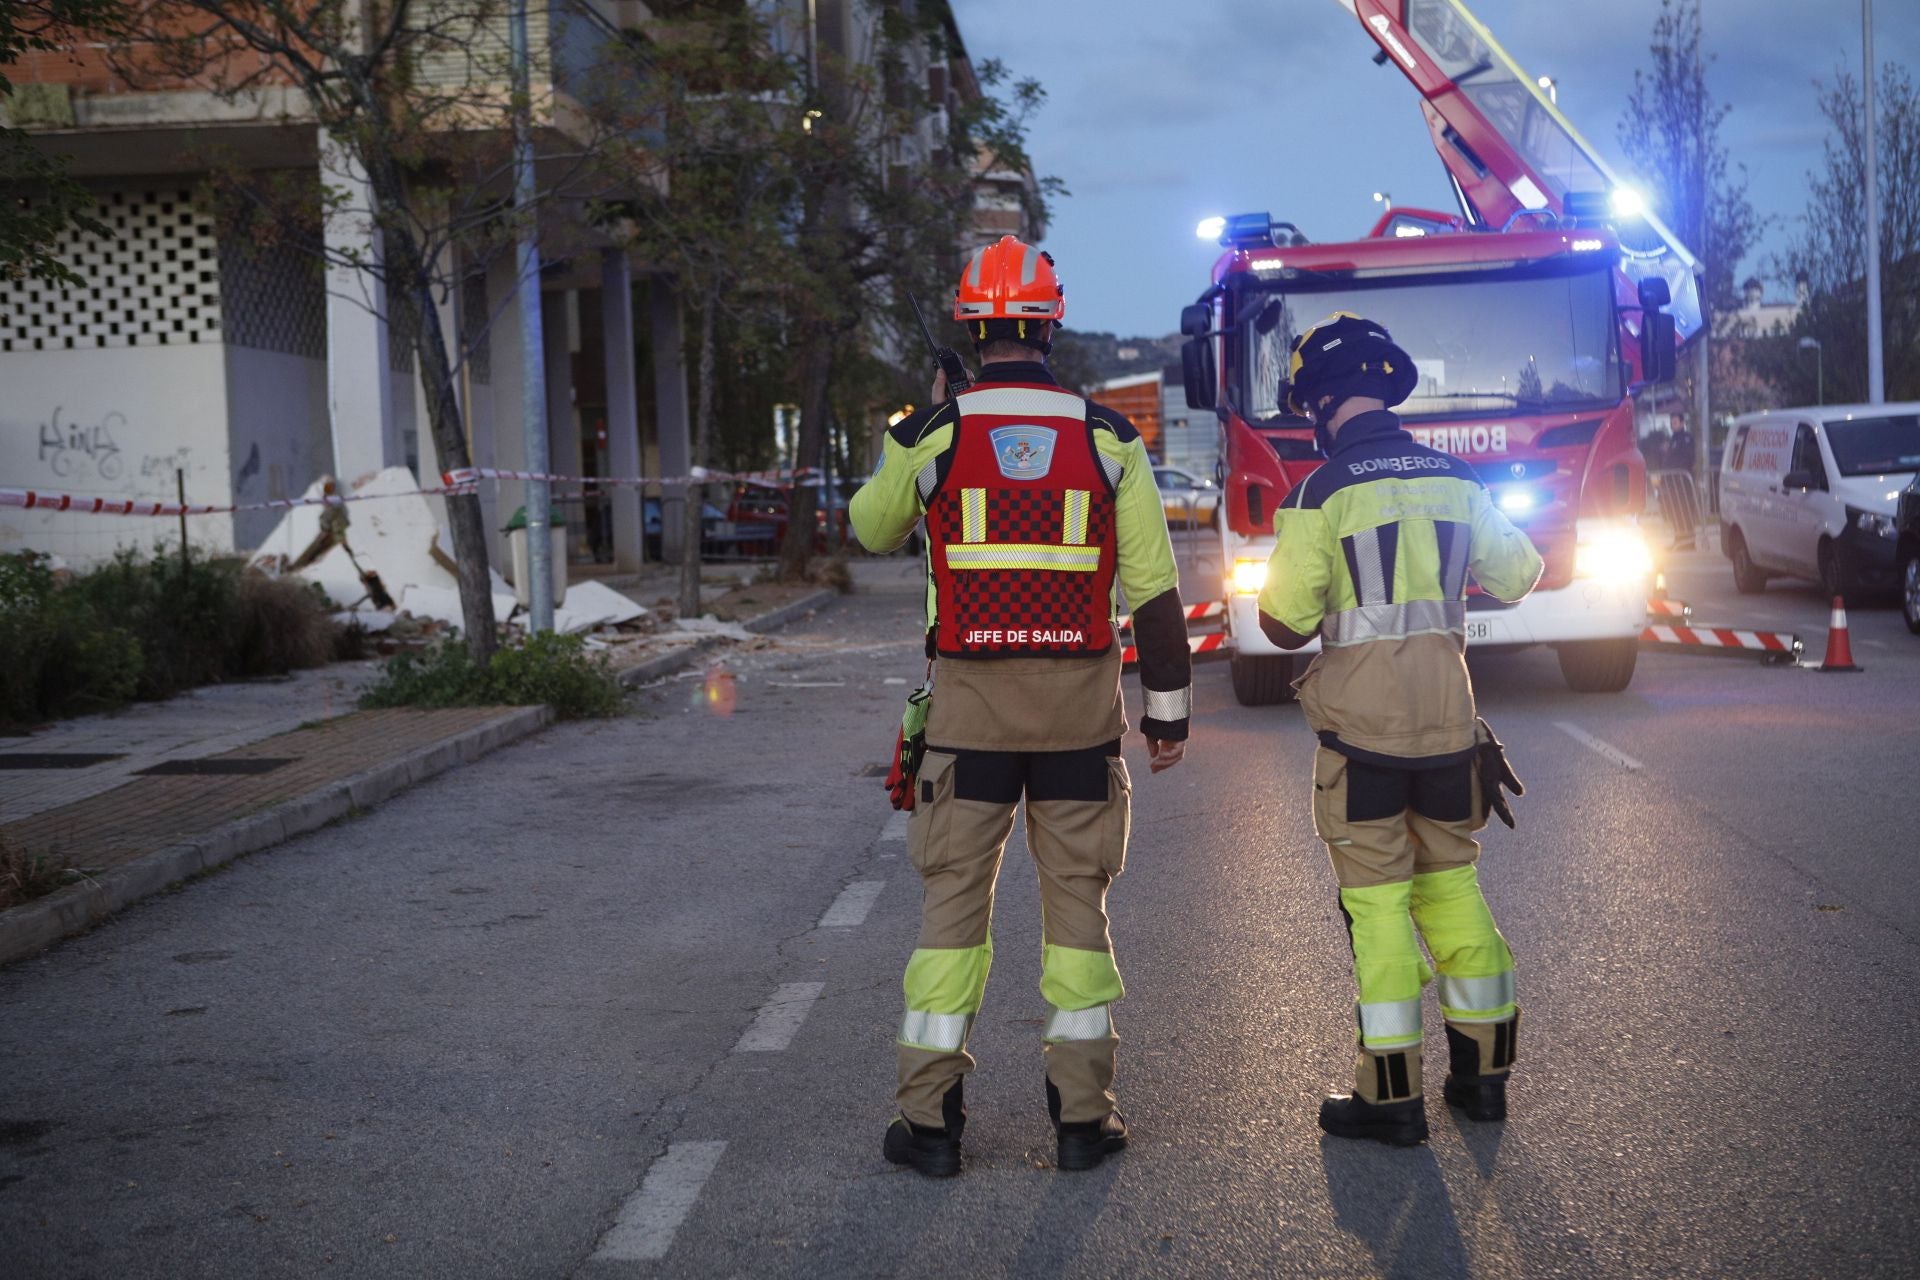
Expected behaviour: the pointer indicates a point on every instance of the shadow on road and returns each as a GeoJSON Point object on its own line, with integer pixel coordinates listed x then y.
{"type": "Point", "coordinates": [1396, 1202]}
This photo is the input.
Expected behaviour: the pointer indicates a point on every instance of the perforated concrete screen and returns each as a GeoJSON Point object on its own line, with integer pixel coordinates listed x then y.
{"type": "Point", "coordinates": [154, 282]}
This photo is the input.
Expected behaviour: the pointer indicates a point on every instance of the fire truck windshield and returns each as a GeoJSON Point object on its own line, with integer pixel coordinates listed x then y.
{"type": "Point", "coordinates": [1483, 345]}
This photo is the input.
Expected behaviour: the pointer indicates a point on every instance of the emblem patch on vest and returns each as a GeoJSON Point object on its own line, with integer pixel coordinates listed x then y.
{"type": "Point", "coordinates": [1023, 453]}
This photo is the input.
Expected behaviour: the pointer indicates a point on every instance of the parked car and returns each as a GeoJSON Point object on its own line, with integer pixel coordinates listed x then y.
{"type": "Point", "coordinates": [763, 507]}
{"type": "Point", "coordinates": [1811, 493]}
{"type": "Point", "coordinates": [711, 520]}
{"type": "Point", "coordinates": [1187, 498]}
{"type": "Point", "coordinates": [1907, 552]}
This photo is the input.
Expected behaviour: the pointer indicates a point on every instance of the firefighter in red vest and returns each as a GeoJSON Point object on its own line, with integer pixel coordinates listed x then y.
{"type": "Point", "coordinates": [1038, 504]}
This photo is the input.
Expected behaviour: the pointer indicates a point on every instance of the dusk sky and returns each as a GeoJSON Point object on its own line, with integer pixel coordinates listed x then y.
{"type": "Point", "coordinates": [1160, 114]}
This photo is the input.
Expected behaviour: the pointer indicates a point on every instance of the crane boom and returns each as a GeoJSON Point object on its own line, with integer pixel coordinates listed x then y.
{"type": "Point", "coordinates": [1508, 150]}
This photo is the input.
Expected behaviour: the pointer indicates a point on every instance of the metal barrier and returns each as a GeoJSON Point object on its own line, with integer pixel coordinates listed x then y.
{"type": "Point", "coordinates": [1676, 501]}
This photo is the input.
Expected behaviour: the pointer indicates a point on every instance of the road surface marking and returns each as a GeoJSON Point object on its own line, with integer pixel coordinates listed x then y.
{"type": "Point", "coordinates": [1606, 749]}
{"type": "Point", "coordinates": [643, 1231]}
{"type": "Point", "coordinates": [779, 1019]}
{"type": "Point", "coordinates": [896, 828]}
{"type": "Point", "coordinates": [851, 907]}
{"type": "Point", "coordinates": [1878, 644]}
{"type": "Point", "coordinates": [806, 684]}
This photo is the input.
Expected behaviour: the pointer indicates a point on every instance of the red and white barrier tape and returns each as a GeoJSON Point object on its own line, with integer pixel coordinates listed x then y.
{"type": "Point", "coordinates": [1770, 642]}
{"type": "Point", "coordinates": [1196, 645]}
{"type": "Point", "coordinates": [459, 481]}
{"type": "Point", "coordinates": [1195, 613]}
{"type": "Point", "coordinates": [1669, 609]}
{"type": "Point", "coordinates": [45, 500]}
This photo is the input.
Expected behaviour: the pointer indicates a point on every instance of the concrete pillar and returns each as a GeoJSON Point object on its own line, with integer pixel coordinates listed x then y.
{"type": "Point", "coordinates": [670, 411]}
{"type": "Point", "coordinates": [623, 420]}
{"type": "Point", "coordinates": [563, 424]}
{"type": "Point", "coordinates": [359, 381]}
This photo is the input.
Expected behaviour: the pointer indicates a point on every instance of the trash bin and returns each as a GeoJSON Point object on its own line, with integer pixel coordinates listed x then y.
{"type": "Point", "coordinates": [516, 532]}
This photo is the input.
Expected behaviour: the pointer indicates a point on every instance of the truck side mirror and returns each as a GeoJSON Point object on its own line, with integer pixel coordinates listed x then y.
{"type": "Point", "coordinates": [1802, 480]}
{"type": "Point", "coordinates": [1199, 372]}
{"type": "Point", "coordinates": [1657, 357]}
{"type": "Point", "coordinates": [1655, 293]}
{"type": "Point", "coordinates": [1196, 319]}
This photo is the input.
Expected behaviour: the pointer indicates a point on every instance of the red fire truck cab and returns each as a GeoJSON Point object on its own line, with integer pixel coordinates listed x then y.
{"type": "Point", "coordinates": [1533, 314]}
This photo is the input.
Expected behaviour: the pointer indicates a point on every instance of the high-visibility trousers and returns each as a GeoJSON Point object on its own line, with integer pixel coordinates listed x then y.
{"type": "Point", "coordinates": [1402, 847]}
{"type": "Point", "coordinates": [1078, 811]}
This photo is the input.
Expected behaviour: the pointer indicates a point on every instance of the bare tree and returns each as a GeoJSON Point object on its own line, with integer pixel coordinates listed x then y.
{"type": "Point", "coordinates": [1828, 251]}
{"type": "Point", "coordinates": [415, 95]}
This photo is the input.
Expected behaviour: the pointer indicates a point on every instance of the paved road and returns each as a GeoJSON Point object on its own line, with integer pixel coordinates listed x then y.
{"type": "Point", "coordinates": [573, 1011]}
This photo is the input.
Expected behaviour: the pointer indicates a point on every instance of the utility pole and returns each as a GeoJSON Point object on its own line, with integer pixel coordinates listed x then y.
{"type": "Point", "coordinates": [1876, 366]}
{"type": "Point", "coordinates": [533, 370]}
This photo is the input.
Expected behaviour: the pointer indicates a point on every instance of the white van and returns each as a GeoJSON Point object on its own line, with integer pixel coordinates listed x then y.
{"type": "Point", "coordinates": [1812, 493]}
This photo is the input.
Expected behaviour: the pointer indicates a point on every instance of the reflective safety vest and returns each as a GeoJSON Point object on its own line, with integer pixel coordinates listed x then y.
{"type": "Point", "coordinates": [1021, 529]}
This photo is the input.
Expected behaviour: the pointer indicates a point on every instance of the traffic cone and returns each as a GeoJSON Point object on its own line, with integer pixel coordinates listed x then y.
{"type": "Point", "coordinates": [1839, 648]}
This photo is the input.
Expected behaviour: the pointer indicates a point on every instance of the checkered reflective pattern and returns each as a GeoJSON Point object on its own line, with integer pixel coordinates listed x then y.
{"type": "Point", "coordinates": [1026, 599]}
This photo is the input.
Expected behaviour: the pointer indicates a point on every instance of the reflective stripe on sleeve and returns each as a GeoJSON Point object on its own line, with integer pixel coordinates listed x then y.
{"type": "Point", "coordinates": [1079, 1024]}
{"type": "Point", "coordinates": [1477, 999]}
{"type": "Point", "coordinates": [1392, 1024]}
{"type": "Point", "coordinates": [945, 1032]}
{"type": "Point", "coordinates": [1169, 704]}
{"type": "Point", "coordinates": [1016, 555]}
{"type": "Point", "coordinates": [1393, 621]}
{"type": "Point", "coordinates": [929, 477]}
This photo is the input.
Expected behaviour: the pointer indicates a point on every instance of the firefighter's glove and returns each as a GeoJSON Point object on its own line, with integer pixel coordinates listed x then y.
{"type": "Point", "coordinates": [908, 748]}
{"type": "Point", "coordinates": [1495, 773]}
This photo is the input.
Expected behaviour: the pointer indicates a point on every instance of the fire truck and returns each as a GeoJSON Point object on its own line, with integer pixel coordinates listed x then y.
{"type": "Point", "coordinates": [1534, 311]}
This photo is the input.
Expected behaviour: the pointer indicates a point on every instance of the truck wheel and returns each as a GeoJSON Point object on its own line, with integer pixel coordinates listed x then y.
{"type": "Point", "coordinates": [1262, 680]}
{"type": "Point", "coordinates": [1599, 666]}
{"type": "Point", "coordinates": [1748, 578]}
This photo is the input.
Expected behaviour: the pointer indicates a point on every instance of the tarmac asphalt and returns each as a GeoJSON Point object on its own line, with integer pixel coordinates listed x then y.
{"type": "Point", "coordinates": [618, 1001]}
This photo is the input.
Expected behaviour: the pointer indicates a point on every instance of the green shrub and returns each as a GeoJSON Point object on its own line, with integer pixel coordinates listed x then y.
{"type": "Point", "coordinates": [548, 668]}
{"type": "Point", "coordinates": [60, 656]}
{"type": "Point", "coordinates": [146, 627]}
{"type": "Point", "coordinates": [25, 876]}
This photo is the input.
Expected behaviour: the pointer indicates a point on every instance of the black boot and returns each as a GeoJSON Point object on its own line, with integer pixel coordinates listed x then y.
{"type": "Point", "coordinates": [1482, 1096]}
{"type": "Point", "coordinates": [1084, 1144]}
{"type": "Point", "coordinates": [1399, 1124]}
{"type": "Point", "coordinates": [934, 1153]}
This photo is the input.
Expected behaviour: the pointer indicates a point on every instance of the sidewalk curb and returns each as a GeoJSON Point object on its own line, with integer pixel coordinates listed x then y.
{"type": "Point", "coordinates": [34, 926]}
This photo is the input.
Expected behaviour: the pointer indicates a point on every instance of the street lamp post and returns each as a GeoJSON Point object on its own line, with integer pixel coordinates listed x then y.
{"type": "Point", "coordinates": [1819, 368]}
{"type": "Point", "coordinates": [1552, 87]}
{"type": "Point", "coordinates": [1385, 198]}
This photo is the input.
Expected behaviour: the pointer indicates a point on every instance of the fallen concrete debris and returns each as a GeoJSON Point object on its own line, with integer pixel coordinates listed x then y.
{"type": "Point", "coordinates": [591, 604]}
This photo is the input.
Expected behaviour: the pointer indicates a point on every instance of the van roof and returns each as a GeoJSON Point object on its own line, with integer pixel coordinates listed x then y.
{"type": "Point", "coordinates": [1833, 412]}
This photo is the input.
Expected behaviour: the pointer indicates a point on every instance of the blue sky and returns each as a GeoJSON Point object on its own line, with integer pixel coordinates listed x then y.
{"type": "Point", "coordinates": [1164, 111]}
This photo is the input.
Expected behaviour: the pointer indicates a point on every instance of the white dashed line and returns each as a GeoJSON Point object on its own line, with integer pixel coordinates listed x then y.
{"type": "Point", "coordinates": [779, 1019]}
{"type": "Point", "coordinates": [1606, 749]}
{"type": "Point", "coordinates": [851, 907]}
{"type": "Point", "coordinates": [896, 828]}
{"type": "Point", "coordinates": [643, 1231]}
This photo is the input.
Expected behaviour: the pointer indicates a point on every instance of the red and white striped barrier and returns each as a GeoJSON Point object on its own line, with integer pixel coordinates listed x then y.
{"type": "Point", "coordinates": [805, 477]}
{"type": "Point", "coordinates": [1773, 644]}
{"type": "Point", "coordinates": [1669, 609]}
{"type": "Point", "coordinates": [1195, 613]}
{"type": "Point", "coordinates": [1196, 645]}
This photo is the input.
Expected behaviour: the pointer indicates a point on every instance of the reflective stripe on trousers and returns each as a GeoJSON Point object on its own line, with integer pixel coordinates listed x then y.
{"type": "Point", "coordinates": [944, 1032]}
{"type": "Point", "coordinates": [1391, 1024]}
{"type": "Point", "coordinates": [1477, 999]}
{"type": "Point", "coordinates": [1393, 621]}
{"type": "Point", "coordinates": [1079, 1024]}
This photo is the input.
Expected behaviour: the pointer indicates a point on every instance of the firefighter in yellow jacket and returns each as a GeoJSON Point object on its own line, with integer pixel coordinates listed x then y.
{"type": "Point", "coordinates": [1373, 554]}
{"type": "Point", "coordinates": [1038, 504]}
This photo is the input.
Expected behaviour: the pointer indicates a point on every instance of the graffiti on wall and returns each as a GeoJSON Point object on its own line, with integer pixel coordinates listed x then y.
{"type": "Point", "coordinates": [72, 450]}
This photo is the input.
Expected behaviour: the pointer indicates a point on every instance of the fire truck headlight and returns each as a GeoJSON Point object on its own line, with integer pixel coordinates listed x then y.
{"type": "Point", "coordinates": [1249, 576]}
{"type": "Point", "coordinates": [1618, 554]}
{"type": "Point", "coordinates": [1517, 500]}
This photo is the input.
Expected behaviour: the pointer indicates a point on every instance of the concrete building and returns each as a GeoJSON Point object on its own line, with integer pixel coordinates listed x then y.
{"type": "Point", "coordinates": [195, 355]}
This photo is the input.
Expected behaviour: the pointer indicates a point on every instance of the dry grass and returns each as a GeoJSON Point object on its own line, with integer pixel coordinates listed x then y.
{"type": "Point", "coordinates": [25, 876]}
